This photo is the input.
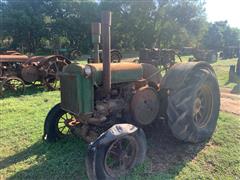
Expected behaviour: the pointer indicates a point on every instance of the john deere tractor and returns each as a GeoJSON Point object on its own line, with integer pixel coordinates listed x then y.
{"type": "Point", "coordinates": [107, 105]}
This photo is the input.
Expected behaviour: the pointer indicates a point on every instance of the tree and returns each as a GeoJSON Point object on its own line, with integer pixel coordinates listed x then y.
{"type": "Point", "coordinates": [220, 35]}
{"type": "Point", "coordinates": [179, 23]}
{"type": "Point", "coordinates": [22, 20]}
{"type": "Point", "coordinates": [71, 19]}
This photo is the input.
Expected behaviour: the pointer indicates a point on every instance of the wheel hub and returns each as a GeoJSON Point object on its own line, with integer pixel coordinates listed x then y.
{"type": "Point", "coordinates": [197, 105]}
{"type": "Point", "coordinates": [120, 157]}
{"type": "Point", "coordinates": [202, 107]}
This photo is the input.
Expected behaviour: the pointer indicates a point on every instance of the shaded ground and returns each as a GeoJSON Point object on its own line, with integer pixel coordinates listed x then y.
{"type": "Point", "coordinates": [165, 151]}
{"type": "Point", "coordinates": [230, 102]}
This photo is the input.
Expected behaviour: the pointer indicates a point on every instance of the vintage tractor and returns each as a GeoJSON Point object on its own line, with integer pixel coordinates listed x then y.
{"type": "Point", "coordinates": [108, 104]}
{"type": "Point", "coordinates": [17, 69]}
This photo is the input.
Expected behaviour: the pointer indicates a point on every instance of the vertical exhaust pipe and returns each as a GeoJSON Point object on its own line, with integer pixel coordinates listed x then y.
{"type": "Point", "coordinates": [106, 45]}
{"type": "Point", "coordinates": [96, 34]}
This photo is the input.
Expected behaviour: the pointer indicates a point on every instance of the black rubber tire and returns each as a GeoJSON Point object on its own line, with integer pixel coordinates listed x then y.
{"type": "Point", "coordinates": [180, 109]}
{"type": "Point", "coordinates": [100, 169]}
{"type": "Point", "coordinates": [51, 131]}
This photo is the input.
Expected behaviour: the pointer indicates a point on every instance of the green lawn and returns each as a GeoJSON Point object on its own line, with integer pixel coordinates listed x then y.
{"type": "Point", "coordinates": [221, 68]}
{"type": "Point", "coordinates": [23, 154]}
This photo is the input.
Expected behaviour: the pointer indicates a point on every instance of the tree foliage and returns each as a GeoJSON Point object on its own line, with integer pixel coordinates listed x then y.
{"type": "Point", "coordinates": [220, 35]}
{"type": "Point", "coordinates": [52, 24]}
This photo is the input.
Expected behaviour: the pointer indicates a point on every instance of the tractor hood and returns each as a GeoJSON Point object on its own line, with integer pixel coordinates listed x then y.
{"type": "Point", "coordinates": [77, 83]}
{"type": "Point", "coordinates": [120, 72]}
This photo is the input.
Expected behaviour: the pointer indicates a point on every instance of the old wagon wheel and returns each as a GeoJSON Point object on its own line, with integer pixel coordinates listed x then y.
{"type": "Point", "coordinates": [13, 86]}
{"type": "Point", "coordinates": [75, 55]}
{"type": "Point", "coordinates": [116, 56]}
{"type": "Point", "coordinates": [53, 68]}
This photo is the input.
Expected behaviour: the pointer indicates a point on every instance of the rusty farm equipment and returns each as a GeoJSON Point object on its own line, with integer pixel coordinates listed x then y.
{"type": "Point", "coordinates": [230, 52]}
{"type": "Point", "coordinates": [164, 58]}
{"type": "Point", "coordinates": [16, 70]}
{"type": "Point", "coordinates": [205, 55]}
{"type": "Point", "coordinates": [116, 56]}
{"type": "Point", "coordinates": [107, 105]}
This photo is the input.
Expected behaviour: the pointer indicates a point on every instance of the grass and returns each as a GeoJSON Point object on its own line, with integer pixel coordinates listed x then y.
{"type": "Point", "coordinates": [221, 68]}
{"type": "Point", "coordinates": [23, 154]}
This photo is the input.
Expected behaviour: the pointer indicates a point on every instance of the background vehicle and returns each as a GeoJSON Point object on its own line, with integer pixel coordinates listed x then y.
{"type": "Point", "coordinates": [23, 69]}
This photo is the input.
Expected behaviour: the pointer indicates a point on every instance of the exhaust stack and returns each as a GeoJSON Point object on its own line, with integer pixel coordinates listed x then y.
{"type": "Point", "coordinates": [106, 45]}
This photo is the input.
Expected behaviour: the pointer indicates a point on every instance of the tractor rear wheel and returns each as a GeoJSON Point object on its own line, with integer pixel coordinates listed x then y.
{"type": "Point", "coordinates": [193, 109]}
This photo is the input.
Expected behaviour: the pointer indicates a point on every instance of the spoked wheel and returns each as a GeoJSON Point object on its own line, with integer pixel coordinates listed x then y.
{"type": "Point", "coordinates": [120, 156]}
{"type": "Point", "coordinates": [53, 68]}
{"type": "Point", "coordinates": [116, 152]}
{"type": "Point", "coordinates": [63, 124]}
{"type": "Point", "coordinates": [75, 55]}
{"type": "Point", "coordinates": [57, 124]}
{"type": "Point", "coordinates": [13, 86]}
{"type": "Point", "coordinates": [115, 56]}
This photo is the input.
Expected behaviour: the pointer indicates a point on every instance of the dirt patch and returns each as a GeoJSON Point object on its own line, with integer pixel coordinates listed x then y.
{"type": "Point", "coordinates": [165, 152]}
{"type": "Point", "coordinates": [230, 102]}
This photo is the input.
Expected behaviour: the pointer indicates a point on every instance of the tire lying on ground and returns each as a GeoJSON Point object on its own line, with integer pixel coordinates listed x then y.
{"type": "Point", "coordinates": [193, 102]}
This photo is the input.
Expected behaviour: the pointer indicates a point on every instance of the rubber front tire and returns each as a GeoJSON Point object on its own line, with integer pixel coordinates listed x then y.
{"type": "Point", "coordinates": [200, 94]}
{"type": "Point", "coordinates": [51, 128]}
{"type": "Point", "coordinates": [101, 169]}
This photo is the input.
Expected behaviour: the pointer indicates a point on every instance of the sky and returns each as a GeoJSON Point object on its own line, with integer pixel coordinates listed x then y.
{"type": "Point", "coordinates": [229, 10]}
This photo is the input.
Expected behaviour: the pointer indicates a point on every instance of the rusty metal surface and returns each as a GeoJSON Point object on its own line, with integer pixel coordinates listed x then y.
{"type": "Point", "coordinates": [205, 55]}
{"type": "Point", "coordinates": [145, 106]}
{"type": "Point", "coordinates": [117, 66]}
{"type": "Point", "coordinates": [30, 73]}
{"type": "Point", "coordinates": [120, 72]}
{"type": "Point", "coordinates": [159, 57]}
{"type": "Point", "coordinates": [12, 86]}
{"type": "Point", "coordinates": [106, 43]}
{"type": "Point", "coordinates": [151, 74]}
{"type": "Point", "coordinates": [30, 69]}
{"type": "Point", "coordinates": [9, 52]}
{"type": "Point", "coordinates": [13, 58]}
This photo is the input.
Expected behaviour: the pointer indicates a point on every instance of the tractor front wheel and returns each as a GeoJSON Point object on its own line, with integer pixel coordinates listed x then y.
{"type": "Point", "coordinates": [56, 124]}
{"type": "Point", "coordinates": [116, 152]}
{"type": "Point", "coordinates": [193, 109]}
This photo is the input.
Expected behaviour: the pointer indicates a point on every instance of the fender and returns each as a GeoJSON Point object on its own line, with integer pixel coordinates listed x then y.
{"type": "Point", "coordinates": [179, 73]}
{"type": "Point", "coordinates": [115, 132]}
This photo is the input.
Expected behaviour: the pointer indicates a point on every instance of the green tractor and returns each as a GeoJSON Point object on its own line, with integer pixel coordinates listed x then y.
{"type": "Point", "coordinates": [109, 104]}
